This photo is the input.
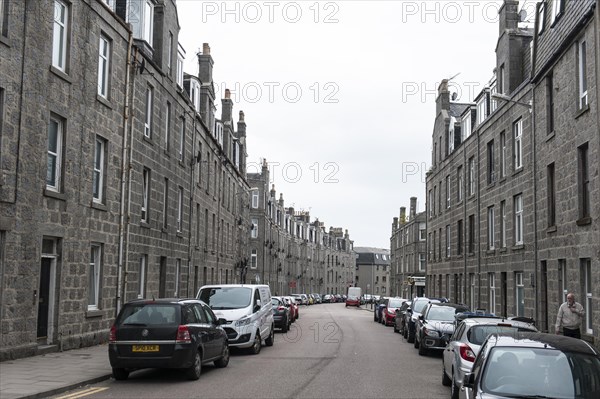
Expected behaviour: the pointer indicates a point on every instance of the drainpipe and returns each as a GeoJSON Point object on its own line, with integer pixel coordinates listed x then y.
{"type": "Point", "coordinates": [537, 272]}
{"type": "Point", "coordinates": [193, 161]}
{"type": "Point", "coordinates": [121, 275]}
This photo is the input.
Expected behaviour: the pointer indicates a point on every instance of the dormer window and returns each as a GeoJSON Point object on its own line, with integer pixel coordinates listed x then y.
{"type": "Point", "coordinates": [482, 109]}
{"type": "Point", "coordinates": [180, 59]}
{"type": "Point", "coordinates": [195, 94]}
{"type": "Point", "coordinates": [140, 14]}
{"type": "Point", "coordinates": [466, 125]}
{"type": "Point", "coordinates": [558, 7]}
{"type": "Point", "coordinates": [541, 17]}
{"type": "Point", "coordinates": [451, 135]}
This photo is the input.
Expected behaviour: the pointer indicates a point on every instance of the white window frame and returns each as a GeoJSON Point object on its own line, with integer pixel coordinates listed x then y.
{"type": "Point", "coordinates": [177, 277]}
{"type": "Point", "coordinates": [254, 231]}
{"type": "Point", "coordinates": [166, 204]}
{"type": "Point", "coordinates": [148, 116]}
{"type": "Point", "coordinates": [180, 209]}
{"type": "Point", "coordinates": [170, 54]}
{"type": "Point", "coordinates": [254, 259]}
{"type": "Point", "coordinates": [556, 9]}
{"type": "Point", "coordinates": [422, 231]}
{"type": "Point", "coordinates": [541, 14]}
{"type": "Point", "coordinates": [472, 290]}
{"type": "Point", "coordinates": [195, 94]}
{"type": "Point", "coordinates": [448, 191]}
{"type": "Point", "coordinates": [518, 144]}
{"type": "Point", "coordinates": [518, 206]}
{"type": "Point", "coordinates": [145, 195]}
{"type": "Point", "coordinates": [181, 153]}
{"type": "Point", "coordinates": [104, 48]}
{"type": "Point", "coordinates": [98, 174]}
{"type": "Point", "coordinates": [460, 184]}
{"type": "Point", "coordinates": [503, 224]}
{"type": "Point", "coordinates": [3, 17]}
{"type": "Point", "coordinates": [168, 127]}
{"type": "Point", "coordinates": [481, 109]}
{"type": "Point", "coordinates": [586, 272]}
{"type": "Point", "coordinates": [491, 228]}
{"type": "Point", "coordinates": [503, 154]}
{"type": "Point", "coordinates": [255, 199]}
{"type": "Point", "coordinates": [582, 84]}
{"type": "Point", "coordinates": [60, 37]}
{"type": "Point", "coordinates": [519, 294]}
{"type": "Point", "coordinates": [180, 60]}
{"type": "Point", "coordinates": [492, 293]}
{"type": "Point", "coordinates": [448, 242]}
{"type": "Point", "coordinates": [471, 176]}
{"type": "Point", "coordinates": [562, 270]}
{"type": "Point", "coordinates": [422, 262]}
{"type": "Point", "coordinates": [140, 14]}
{"type": "Point", "coordinates": [143, 267]}
{"type": "Point", "coordinates": [55, 156]}
{"type": "Point", "coordinates": [94, 273]}
{"type": "Point", "coordinates": [466, 126]}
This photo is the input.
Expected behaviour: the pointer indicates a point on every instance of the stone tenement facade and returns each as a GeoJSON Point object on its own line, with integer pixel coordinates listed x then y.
{"type": "Point", "coordinates": [373, 268]}
{"type": "Point", "coordinates": [408, 253]}
{"type": "Point", "coordinates": [116, 179]}
{"type": "Point", "coordinates": [291, 253]}
{"type": "Point", "coordinates": [514, 190]}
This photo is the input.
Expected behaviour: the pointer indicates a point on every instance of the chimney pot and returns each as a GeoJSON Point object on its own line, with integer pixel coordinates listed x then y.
{"type": "Point", "coordinates": [205, 49]}
{"type": "Point", "coordinates": [227, 94]}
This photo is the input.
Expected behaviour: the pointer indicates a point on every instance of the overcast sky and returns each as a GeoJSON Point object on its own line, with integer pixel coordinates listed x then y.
{"type": "Point", "coordinates": [339, 96]}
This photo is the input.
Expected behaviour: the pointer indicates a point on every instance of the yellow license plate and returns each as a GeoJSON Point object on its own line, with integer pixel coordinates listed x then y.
{"type": "Point", "coordinates": [144, 348]}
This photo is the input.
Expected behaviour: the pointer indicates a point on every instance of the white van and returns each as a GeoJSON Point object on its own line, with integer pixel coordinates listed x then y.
{"type": "Point", "coordinates": [247, 309]}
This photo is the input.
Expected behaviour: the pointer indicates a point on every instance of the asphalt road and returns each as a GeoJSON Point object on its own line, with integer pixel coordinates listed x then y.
{"type": "Point", "coordinates": [330, 352]}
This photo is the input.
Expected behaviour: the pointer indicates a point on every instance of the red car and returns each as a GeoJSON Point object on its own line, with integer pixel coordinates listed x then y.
{"type": "Point", "coordinates": [352, 300]}
{"type": "Point", "coordinates": [294, 309]}
{"type": "Point", "coordinates": [388, 313]}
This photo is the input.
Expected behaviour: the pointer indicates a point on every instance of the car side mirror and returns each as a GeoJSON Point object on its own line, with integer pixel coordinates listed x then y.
{"type": "Point", "coordinates": [469, 380]}
{"type": "Point", "coordinates": [421, 317]}
{"type": "Point", "coordinates": [221, 321]}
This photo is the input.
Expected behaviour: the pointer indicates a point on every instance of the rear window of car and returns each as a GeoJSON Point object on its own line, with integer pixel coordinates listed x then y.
{"type": "Point", "coordinates": [394, 303]}
{"type": "Point", "coordinates": [441, 313]}
{"type": "Point", "coordinates": [149, 314]}
{"type": "Point", "coordinates": [221, 298]}
{"type": "Point", "coordinates": [478, 334]}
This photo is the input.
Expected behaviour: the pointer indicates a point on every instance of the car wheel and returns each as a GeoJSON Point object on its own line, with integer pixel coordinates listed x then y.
{"type": "Point", "coordinates": [193, 373]}
{"type": "Point", "coordinates": [411, 337]}
{"type": "Point", "coordinates": [269, 341]}
{"type": "Point", "coordinates": [446, 381]}
{"type": "Point", "coordinates": [404, 332]}
{"type": "Point", "coordinates": [120, 374]}
{"type": "Point", "coordinates": [255, 348]}
{"type": "Point", "coordinates": [454, 389]}
{"type": "Point", "coordinates": [416, 342]}
{"type": "Point", "coordinates": [224, 360]}
{"type": "Point", "coordinates": [396, 328]}
{"type": "Point", "coordinates": [422, 350]}
{"type": "Point", "coordinates": [285, 326]}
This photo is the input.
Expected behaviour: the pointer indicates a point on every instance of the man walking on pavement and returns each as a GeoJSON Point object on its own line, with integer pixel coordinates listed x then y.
{"type": "Point", "coordinates": [569, 316]}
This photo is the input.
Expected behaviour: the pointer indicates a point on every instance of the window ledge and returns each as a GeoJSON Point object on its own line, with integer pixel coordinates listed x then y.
{"type": "Point", "coordinates": [4, 40]}
{"type": "Point", "coordinates": [93, 313]}
{"type": "Point", "coordinates": [99, 206]}
{"type": "Point", "coordinates": [518, 247]}
{"type": "Point", "coordinates": [502, 179]}
{"type": "Point", "coordinates": [179, 234]}
{"type": "Point", "coordinates": [182, 163]}
{"type": "Point", "coordinates": [61, 74]}
{"type": "Point", "coordinates": [503, 250]}
{"type": "Point", "coordinates": [104, 101]}
{"type": "Point", "coordinates": [148, 139]}
{"type": "Point", "coordinates": [197, 247]}
{"type": "Point", "coordinates": [166, 152]}
{"type": "Point", "coordinates": [550, 135]}
{"type": "Point", "coordinates": [490, 252]}
{"type": "Point", "coordinates": [551, 229]}
{"type": "Point", "coordinates": [581, 111]}
{"type": "Point", "coordinates": [144, 224]}
{"type": "Point", "coordinates": [164, 230]}
{"type": "Point", "coordinates": [491, 185]}
{"type": "Point", "coordinates": [517, 171]}
{"type": "Point", "coordinates": [55, 195]}
{"type": "Point", "coordinates": [584, 221]}
{"type": "Point", "coordinates": [471, 254]}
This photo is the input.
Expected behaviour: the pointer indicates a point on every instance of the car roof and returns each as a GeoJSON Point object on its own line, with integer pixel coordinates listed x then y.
{"type": "Point", "coordinates": [162, 301]}
{"type": "Point", "coordinates": [543, 340]}
{"type": "Point", "coordinates": [495, 320]}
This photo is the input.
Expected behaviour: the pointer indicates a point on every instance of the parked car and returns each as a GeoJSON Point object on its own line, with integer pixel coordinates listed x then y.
{"type": "Point", "coordinates": [534, 365]}
{"type": "Point", "coordinates": [379, 305]}
{"type": "Point", "coordinates": [294, 308]}
{"type": "Point", "coordinates": [317, 297]}
{"type": "Point", "coordinates": [399, 318]}
{"type": "Point", "coordinates": [388, 313]}
{"type": "Point", "coordinates": [435, 326]}
{"type": "Point", "coordinates": [281, 314]}
{"type": "Point", "coordinates": [247, 309]}
{"type": "Point", "coordinates": [328, 298]}
{"type": "Point", "coordinates": [412, 315]}
{"type": "Point", "coordinates": [353, 300]}
{"type": "Point", "coordinates": [166, 333]}
{"type": "Point", "coordinates": [464, 345]}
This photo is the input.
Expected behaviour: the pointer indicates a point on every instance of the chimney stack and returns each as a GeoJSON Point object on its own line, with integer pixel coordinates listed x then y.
{"type": "Point", "coordinates": [443, 100]}
{"type": "Point", "coordinates": [402, 215]}
{"type": "Point", "coordinates": [413, 207]}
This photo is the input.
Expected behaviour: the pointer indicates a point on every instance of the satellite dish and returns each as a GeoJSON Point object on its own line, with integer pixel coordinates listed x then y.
{"type": "Point", "coordinates": [523, 15]}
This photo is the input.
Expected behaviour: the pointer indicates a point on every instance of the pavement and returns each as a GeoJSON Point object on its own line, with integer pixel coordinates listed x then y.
{"type": "Point", "coordinates": [53, 373]}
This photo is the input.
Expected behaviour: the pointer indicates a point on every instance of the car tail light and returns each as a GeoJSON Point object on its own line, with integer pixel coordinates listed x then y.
{"type": "Point", "coordinates": [183, 335]}
{"type": "Point", "coordinates": [467, 353]}
{"type": "Point", "coordinates": [281, 308]}
{"type": "Point", "coordinates": [113, 334]}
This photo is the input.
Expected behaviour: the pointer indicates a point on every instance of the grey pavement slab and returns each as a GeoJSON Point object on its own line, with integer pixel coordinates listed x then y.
{"type": "Point", "coordinates": [53, 373]}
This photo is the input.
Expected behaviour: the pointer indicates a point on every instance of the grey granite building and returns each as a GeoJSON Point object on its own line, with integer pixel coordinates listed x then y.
{"type": "Point", "coordinates": [408, 253]}
{"type": "Point", "coordinates": [116, 178]}
{"type": "Point", "coordinates": [513, 191]}
{"type": "Point", "coordinates": [373, 271]}
{"type": "Point", "coordinates": [291, 253]}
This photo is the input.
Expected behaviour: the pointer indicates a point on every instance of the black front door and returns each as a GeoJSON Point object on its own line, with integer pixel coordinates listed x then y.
{"type": "Point", "coordinates": [44, 298]}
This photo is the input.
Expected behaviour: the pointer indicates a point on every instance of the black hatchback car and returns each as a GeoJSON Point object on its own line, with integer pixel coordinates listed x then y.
{"type": "Point", "coordinates": [166, 333]}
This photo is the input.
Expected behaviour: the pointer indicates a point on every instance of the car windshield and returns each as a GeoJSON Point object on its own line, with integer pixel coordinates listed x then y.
{"type": "Point", "coordinates": [395, 303]}
{"type": "Point", "coordinates": [221, 298]}
{"type": "Point", "coordinates": [149, 314]}
{"type": "Point", "coordinates": [541, 372]}
{"type": "Point", "coordinates": [477, 334]}
{"type": "Point", "coordinates": [419, 305]}
{"type": "Point", "coordinates": [441, 313]}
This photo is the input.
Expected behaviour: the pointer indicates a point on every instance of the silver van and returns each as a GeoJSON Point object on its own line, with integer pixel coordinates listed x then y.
{"type": "Point", "coordinates": [247, 309]}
